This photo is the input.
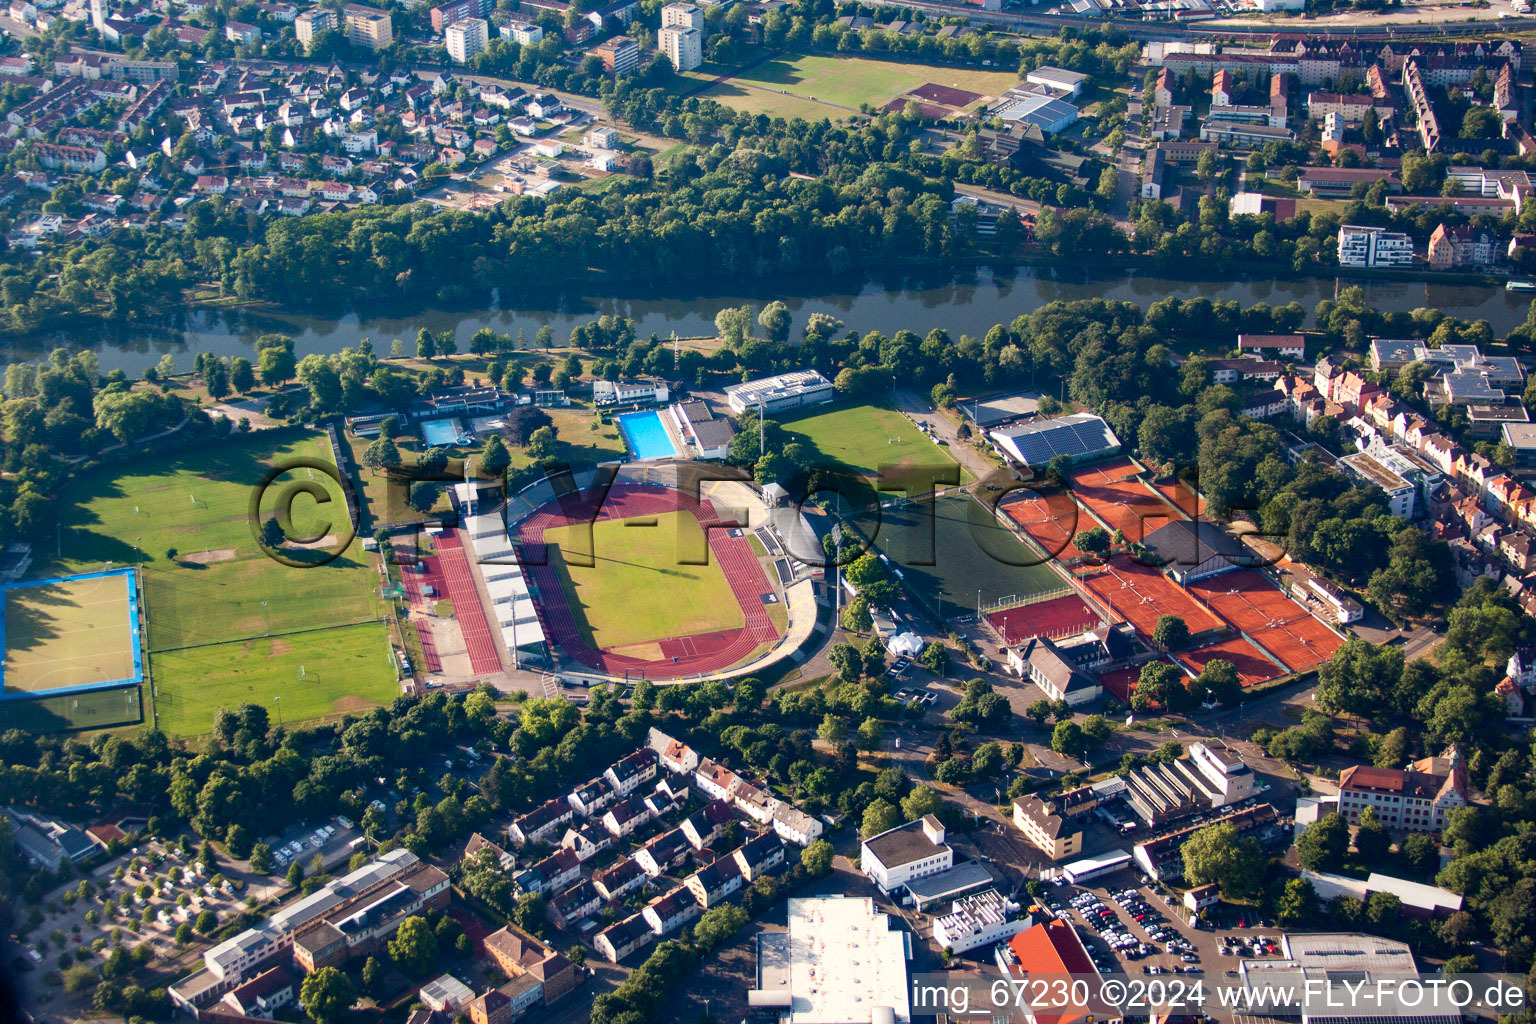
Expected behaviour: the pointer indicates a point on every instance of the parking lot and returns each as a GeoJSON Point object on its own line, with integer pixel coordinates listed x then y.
{"type": "Point", "coordinates": [1132, 928]}
{"type": "Point", "coordinates": [334, 841]}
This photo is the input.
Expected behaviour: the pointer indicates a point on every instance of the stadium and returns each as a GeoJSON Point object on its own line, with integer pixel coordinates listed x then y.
{"type": "Point", "coordinates": [651, 574]}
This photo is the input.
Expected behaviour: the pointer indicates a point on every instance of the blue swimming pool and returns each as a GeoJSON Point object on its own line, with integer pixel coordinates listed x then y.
{"type": "Point", "coordinates": [440, 433]}
{"type": "Point", "coordinates": [647, 435]}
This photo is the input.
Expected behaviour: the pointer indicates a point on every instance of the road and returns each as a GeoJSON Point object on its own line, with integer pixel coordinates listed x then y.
{"type": "Point", "coordinates": [917, 407]}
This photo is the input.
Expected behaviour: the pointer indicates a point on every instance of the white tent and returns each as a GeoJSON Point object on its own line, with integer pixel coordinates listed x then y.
{"type": "Point", "coordinates": [905, 645]}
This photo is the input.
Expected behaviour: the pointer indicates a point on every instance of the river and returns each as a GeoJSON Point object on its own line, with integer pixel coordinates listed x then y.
{"type": "Point", "coordinates": [965, 305]}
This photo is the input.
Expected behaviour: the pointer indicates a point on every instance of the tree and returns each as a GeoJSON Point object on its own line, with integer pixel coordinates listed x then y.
{"type": "Point", "coordinates": [1040, 710]}
{"type": "Point", "coordinates": [817, 858]}
{"type": "Point", "coordinates": [1219, 681]}
{"type": "Point", "coordinates": [1297, 903]}
{"type": "Point", "coordinates": [414, 947]}
{"type": "Point", "coordinates": [856, 617]}
{"type": "Point", "coordinates": [1093, 541]}
{"type": "Point", "coordinates": [871, 732]}
{"type": "Point", "coordinates": [833, 730]}
{"type": "Point", "coordinates": [880, 816]}
{"type": "Point", "coordinates": [1170, 633]}
{"type": "Point", "coordinates": [873, 580]}
{"type": "Point", "coordinates": [775, 320]}
{"type": "Point", "coordinates": [529, 913]}
{"type": "Point", "coordinates": [426, 344]}
{"type": "Point", "coordinates": [381, 453]}
{"type": "Point", "coordinates": [1218, 853]}
{"type": "Point", "coordinates": [1372, 841]}
{"type": "Point", "coordinates": [922, 800]}
{"type": "Point", "coordinates": [207, 921]}
{"type": "Point", "coordinates": [327, 994]}
{"type": "Point", "coordinates": [935, 658]}
{"type": "Point", "coordinates": [717, 925]}
{"type": "Point", "coordinates": [495, 459]}
{"type": "Point", "coordinates": [1067, 739]}
{"type": "Point", "coordinates": [241, 376]}
{"type": "Point", "coordinates": [1322, 846]}
{"type": "Point", "coordinates": [275, 364]}
{"type": "Point", "coordinates": [541, 444]}
{"type": "Point", "coordinates": [261, 858]}
{"type": "Point", "coordinates": [372, 976]}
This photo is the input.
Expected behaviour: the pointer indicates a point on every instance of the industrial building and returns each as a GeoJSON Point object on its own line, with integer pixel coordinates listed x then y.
{"type": "Point", "coordinates": [898, 855]}
{"type": "Point", "coordinates": [839, 962]}
{"type": "Point", "coordinates": [977, 921]}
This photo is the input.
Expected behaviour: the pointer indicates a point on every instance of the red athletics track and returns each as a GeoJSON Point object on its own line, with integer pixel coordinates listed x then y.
{"type": "Point", "coordinates": [682, 656]}
{"type": "Point", "coordinates": [1058, 617]}
{"type": "Point", "coordinates": [467, 609]}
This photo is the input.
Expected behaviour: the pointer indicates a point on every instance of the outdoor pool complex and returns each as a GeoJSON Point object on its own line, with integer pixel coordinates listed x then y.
{"type": "Point", "coordinates": [440, 433]}
{"type": "Point", "coordinates": [647, 435]}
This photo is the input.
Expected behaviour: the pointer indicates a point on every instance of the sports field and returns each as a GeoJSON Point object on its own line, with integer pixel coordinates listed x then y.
{"type": "Point", "coordinates": [947, 556]}
{"type": "Point", "coordinates": [1124, 504]}
{"type": "Point", "coordinates": [1051, 521]}
{"type": "Point", "coordinates": [345, 670]}
{"type": "Point", "coordinates": [1285, 629]}
{"type": "Point", "coordinates": [68, 633]}
{"type": "Point", "coordinates": [1252, 667]}
{"type": "Point", "coordinates": [865, 437]}
{"type": "Point", "coordinates": [817, 86]}
{"type": "Point", "coordinates": [1141, 595]}
{"type": "Point", "coordinates": [635, 591]}
{"type": "Point", "coordinates": [220, 587]}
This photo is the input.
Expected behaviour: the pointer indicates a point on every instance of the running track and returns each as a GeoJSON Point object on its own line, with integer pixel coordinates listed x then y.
{"type": "Point", "coordinates": [682, 656]}
{"type": "Point", "coordinates": [467, 609]}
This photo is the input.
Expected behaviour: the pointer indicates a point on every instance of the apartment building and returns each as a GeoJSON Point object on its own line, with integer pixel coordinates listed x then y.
{"type": "Point", "coordinates": [446, 14]}
{"type": "Point", "coordinates": [683, 46]}
{"type": "Point", "coordinates": [367, 26]}
{"type": "Point", "coordinates": [1053, 825]}
{"type": "Point", "coordinates": [314, 21]}
{"type": "Point", "coordinates": [682, 16]}
{"type": "Point", "coordinates": [518, 955]}
{"type": "Point", "coordinates": [1461, 247]}
{"type": "Point", "coordinates": [620, 55]}
{"type": "Point", "coordinates": [464, 39]}
{"type": "Point", "coordinates": [1361, 246]}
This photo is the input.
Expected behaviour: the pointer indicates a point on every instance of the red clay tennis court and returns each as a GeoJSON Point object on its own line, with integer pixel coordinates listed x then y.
{"type": "Point", "coordinates": [1121, 683]}
{"type": "Point", "coordinates": [1300, 644]}
{"type": "Point", "coordinates": [1252, 667]}
{"type": "Point", "coordinates": [1051, 521]}
{"type": "Point", "coordinates": [1057, 617]}
{"type": "Point", "coordinates": [1182, 497]}
{"type": "Point", "coordinates": [1247, 599]}
{"type": "Point", "coordinates": [1141, 595]}
{"type": "Point", "coordinates": [1125, 505]}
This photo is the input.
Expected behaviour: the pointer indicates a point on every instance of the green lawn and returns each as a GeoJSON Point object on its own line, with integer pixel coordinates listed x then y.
{"type": "Point", "coordinates": [814, 86]}
{"type": "Point", "coordinates": [636, 591]}
{"type": "Point", "coordinates": [865, 437]}
{"type": "Point", "coordinates": [345, 670]}
{"type": "Point", "coordinates": [221, 586]}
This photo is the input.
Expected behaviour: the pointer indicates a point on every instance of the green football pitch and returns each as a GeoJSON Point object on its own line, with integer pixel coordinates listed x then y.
{"type": "Point", "coordinates": [635, 591]}
{"type": "Point", "coordinates": [184, 520]}
{"type": "Point", "coordinates": [865, 438]}
{"type": "Point", "coordinates": [347, 669]}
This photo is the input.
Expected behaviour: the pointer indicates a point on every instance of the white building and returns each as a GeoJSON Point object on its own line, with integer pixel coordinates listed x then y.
{"type": "Point", "coordinates": [914, 850]}
{"type": "Point", "coordinates": [629, 392]}
{"type": "Point", "coordinates": [1374, 247]}
{"type": "Point", "coordinates": [839, 962]}
{"type": "Point", "coordinates": [978, 920]}
{"type": "Point", "coordinates": [776, 394]}
{"type": "Point", "coordinates": [683, 46]}
{"type": "Point", "coordinates": [466, 38]}
{"type": "Point", "coordinates": [1344, 608]}
{"type": "Point", "coordinates": [1225, 772]}
{"type": "Point", "coordinates": [682, 16]}
{"type": "Point", "coordinates": [1367, 469]}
